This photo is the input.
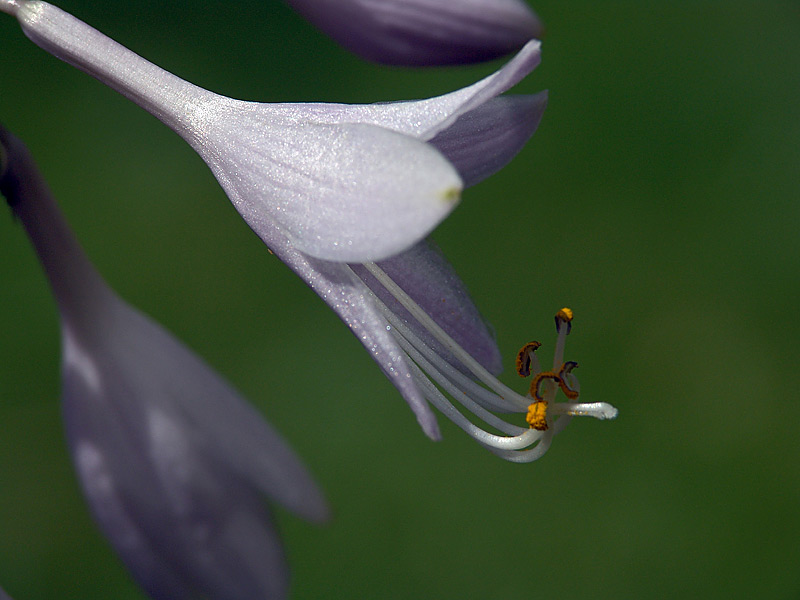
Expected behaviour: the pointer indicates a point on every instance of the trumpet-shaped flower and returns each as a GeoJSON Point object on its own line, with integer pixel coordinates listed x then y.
{"type": "Point", "coordinates": [338, 182]}
{"type": "Point", "coordinates": [173, 462]}
{"type": "Point", "coordinates": [424, 32]}
{"type": "Point", "coordinates": [331, 189]}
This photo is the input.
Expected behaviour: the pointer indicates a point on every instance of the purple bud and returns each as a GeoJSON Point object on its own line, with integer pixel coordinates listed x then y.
{"type": "Point", "coordinates": [424, 32]}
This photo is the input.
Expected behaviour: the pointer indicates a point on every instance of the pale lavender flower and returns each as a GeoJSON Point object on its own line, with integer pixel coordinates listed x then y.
{"type": "Point", "coordinates": [3, 595]}
{"type": "Point", "coordinates": [173, 462]}
{"type": "Point", "coordinates": [424, 32]}
{"type": "Point", "coordinates": [333, 188]}
{"type": "Point", "coordinates": [338, 182]}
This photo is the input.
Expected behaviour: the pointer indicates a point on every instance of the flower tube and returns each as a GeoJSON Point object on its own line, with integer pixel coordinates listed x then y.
{"type": "Point", "coordinates": [173, 462]}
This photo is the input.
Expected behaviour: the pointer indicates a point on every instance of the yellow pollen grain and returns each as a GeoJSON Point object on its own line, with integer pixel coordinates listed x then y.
{"type": "Point", "coordinates": [537, 415]}
{"type": "Point", "coordinates": [565, 314]}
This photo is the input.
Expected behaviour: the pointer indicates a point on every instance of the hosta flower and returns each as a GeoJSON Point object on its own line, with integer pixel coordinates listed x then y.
{"type": "Point", "coordinates": [334, 188]}
{"type": "Point", "coordinates": [3, 595]}
{"type": "Point", "coordinates": [173, 462]}
{"type": "Point", "coordinates": [338, 182]}
{"type": "Point", "coordinates": [424, 32]}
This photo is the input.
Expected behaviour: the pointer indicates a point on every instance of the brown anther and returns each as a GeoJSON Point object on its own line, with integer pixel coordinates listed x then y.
{"type": "Point", "coordinates": [537, 381]}
{"type": "Point", "coordinates": [524, 358]}
{"type": "Point", "coordinates": [565, 369]}
{"type": "Point", "coordinates": [564, 316]}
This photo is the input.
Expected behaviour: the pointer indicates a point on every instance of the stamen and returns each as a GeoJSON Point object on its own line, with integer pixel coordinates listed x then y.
{"type": "Point", "coordinates": [537, 415]}
{"type": "Point", "coordinates": [563, 373]}
{"type": "Point", "coordinates": [433, 327]}
{"type": "Point", "coordinates": [525, 357]}
{"type": "Point", "coordinates": [563, 327]}
{"type": "Point", "coordinates": [446, 386]}
{"type": "Point", "coordinates": [564, 316]}
{"type": "Point", "coordinates": [536, 384]}
{"type": "Point", "coordinates": [598, 410]}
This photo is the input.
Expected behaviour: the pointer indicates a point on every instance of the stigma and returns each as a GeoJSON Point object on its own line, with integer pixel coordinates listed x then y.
{"type": "Point", "coordinates": [472, 402]}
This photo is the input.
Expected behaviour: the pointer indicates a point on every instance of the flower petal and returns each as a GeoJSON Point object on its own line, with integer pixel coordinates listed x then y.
{"type": "Point", "coordinates": [484, 140]}
{"type": "Point", "coordinates": [159, 486]}
{"type": "Point", "coordinates": [424, 119]}
{"type": "Point", "coordinates": [174, 463]}
{"type": "Point", "coordinates": [424, 274]}
{"type": "Point", "coordinates": [348, 193]}
{"type": "Point", "coordinates": [154, 574]}
{"type": "Point", "coordinates": [134, 366]}
{"type": "Point", "coordinates": [216, 541]}
{"type": "Point", "coordinates": [424, 32]}
{"type": "Point", "coordinates": [349, 297]}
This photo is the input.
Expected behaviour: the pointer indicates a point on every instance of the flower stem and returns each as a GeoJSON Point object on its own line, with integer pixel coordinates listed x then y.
{"type": "Point", "coordinates": [9, 6]}
{"type": "Point", "coordinates": [174, 101]}
{"type": "Point", "coordinates": [79, 289]}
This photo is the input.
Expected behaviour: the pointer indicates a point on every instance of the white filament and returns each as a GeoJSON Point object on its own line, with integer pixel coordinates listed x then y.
{"type": "Point", "coordinates": [437, 378]}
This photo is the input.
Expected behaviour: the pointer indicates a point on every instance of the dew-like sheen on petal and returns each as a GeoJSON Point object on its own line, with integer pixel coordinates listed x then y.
{"type": "Point", "coordinates": [349, 193]}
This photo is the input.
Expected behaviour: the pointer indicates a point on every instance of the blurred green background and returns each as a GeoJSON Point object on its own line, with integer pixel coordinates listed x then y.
{"type": "Point", "coordinates": [659, 199]}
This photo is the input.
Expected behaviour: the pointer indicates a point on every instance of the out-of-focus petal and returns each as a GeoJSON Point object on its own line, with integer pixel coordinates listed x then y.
{"type": "Point", "coordinates": [433, 284]}
{"type": "Point", "coordinates": [424, 32]}
{"type": "Point", "coordinates": [139, 366]}
{"type": "Point", "coordinates": [484, 140]}
{"type": "Point", "coordinates": [173, 461]}
{"type": "Point", "coordinates": [3, 595]}
{"type": "Point", "coordinates": [174, 515]}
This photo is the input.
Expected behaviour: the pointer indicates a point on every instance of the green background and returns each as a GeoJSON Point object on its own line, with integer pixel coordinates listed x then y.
{"type": "Point", "coordinates": [659, 199]}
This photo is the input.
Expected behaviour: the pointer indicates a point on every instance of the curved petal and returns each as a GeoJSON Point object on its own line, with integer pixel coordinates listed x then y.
{"type": "Point", "coordinates": [424, 32]}
{"type": "Point", "coordinates": [155, 575]}
{"type": "Point", "coordinates": [172, 460]}
{"type": "Point", "coordinates": [484, 140]}
{"type": "Point", "coordinates": [135, 366]}
{"type": "Point", "coordinates": [349, 297]}
{"type": "Point", "coordinates": [423, 119]}
{"type": "Point", "coordinates": [350, 192]}
{"type": "Point", "coordinates": [176, 524]}
{"type": "Point", "coordinates": [159, 488]}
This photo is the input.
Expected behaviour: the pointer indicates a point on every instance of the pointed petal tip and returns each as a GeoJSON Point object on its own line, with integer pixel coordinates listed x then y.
{"type": "Point", "coordinates": [487, 138]}
{"type": "Point", "coordinates": [315, 508]}
{"type": "Point", "coordinates": [430, 426]}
